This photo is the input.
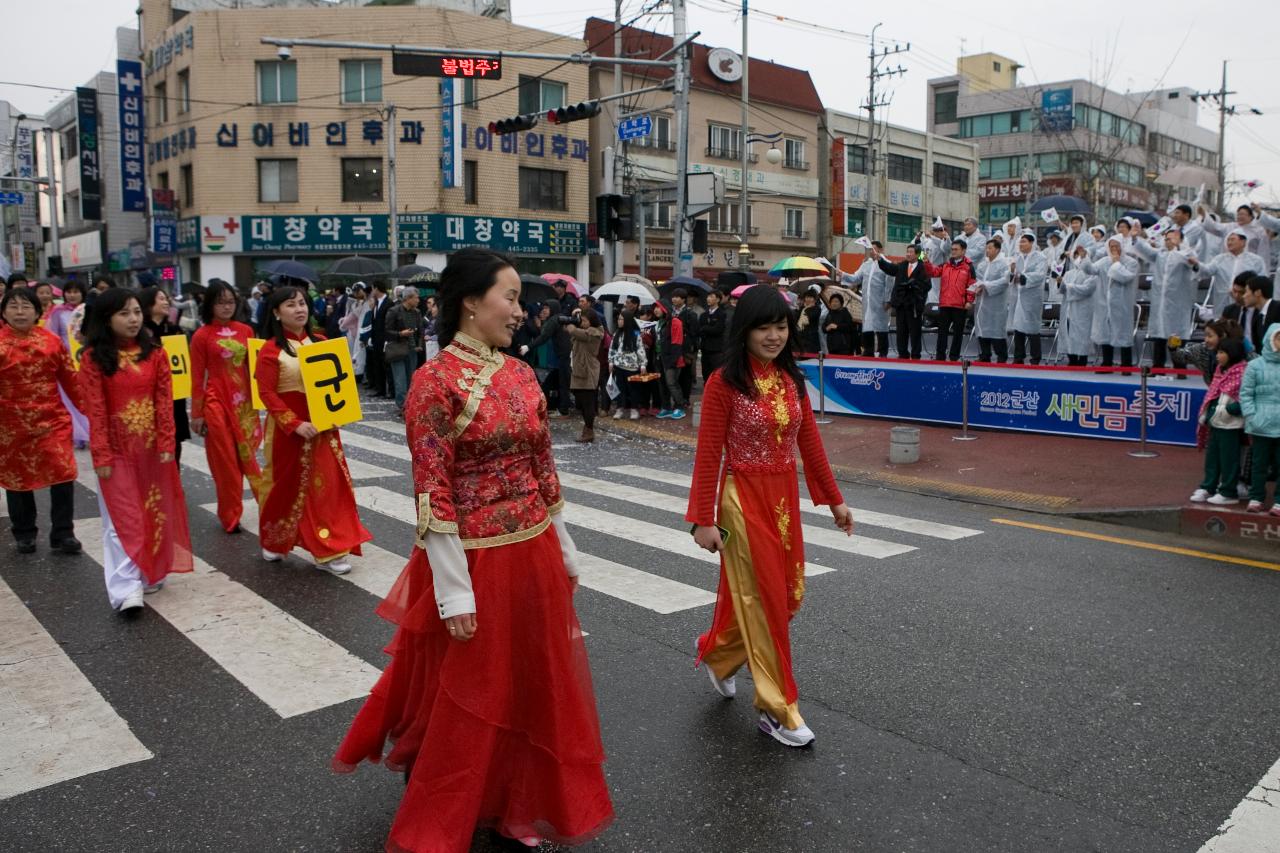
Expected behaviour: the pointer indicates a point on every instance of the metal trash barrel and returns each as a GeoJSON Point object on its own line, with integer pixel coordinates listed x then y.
{"type": "Point", "coordinates": [904, 445]}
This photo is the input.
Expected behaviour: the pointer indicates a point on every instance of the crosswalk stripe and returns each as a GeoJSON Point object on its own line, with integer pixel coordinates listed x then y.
{"type": "Point", "coordinates": [863, 545]}
{"type": "Point", "coordinates": [287, 664]}
{"type": "Point", "coordinates": [656, 593]}
{"type": "Point", "coordinates": [393, 427]}
{"type": "Point", "coordinates": [392, 450]}
{"type": "Point", "coordinates": [198, 461]}
{"type": "Point", "coordinates": [920, 527]}
{"type": "Point", "coordinates": [375, 571]}
{"type": "Point", "coordinates": [54, 725]}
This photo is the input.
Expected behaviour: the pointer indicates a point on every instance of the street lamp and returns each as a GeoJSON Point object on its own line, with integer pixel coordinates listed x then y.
{"type": "Point", "coordinates": [773, 156]}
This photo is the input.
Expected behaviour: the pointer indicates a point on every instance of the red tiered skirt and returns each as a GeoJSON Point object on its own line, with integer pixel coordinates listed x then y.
{"type": "Point", "coordinates": [500, 731]}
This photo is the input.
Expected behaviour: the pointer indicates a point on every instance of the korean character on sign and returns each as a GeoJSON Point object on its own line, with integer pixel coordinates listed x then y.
{"type": "Point", "coordinates": [511, 230]}
{"type": "Point", "coordinates": [510, 143]}
{"type": "Point", "coordinates": [190, 37]}
{"type": "Point", "coordinates": [372, 131]}
{"type": "Point", "coordinates": [1115, 413]}
{"type": "Point", "coordinates": [484, 139]}
{"type": "Point", "coordinates": [1178, 403]}
{"type": "Point", "coordinates": [264, 135]}
{"type": "Point", "coordinates": [335, 133]}
{"type": "Point", "coordinates": [449, 66]}
{"type": "Point", "coordinates": [915, 200]}
{"type": "Point", "coordinates": [560, 146]}
{"type": "Point", "coordinates": [411, 131]}
{"type": "Point", "coordinates": [534, 144]}
{"type": "Point", "coordinates": [579, 150]}
{"type": "Point", "coordinates": [299, 133]}
{"type": "Point", "coordinates": [260, 228]}
{"type": "Point", "coordinates": [328, 380]}
{"type": "Point", "coordinates": [295, 229]}
{"type": "Point", "coordinates": [893, 197]}
{"type": "Point", "coordinates": [484, 229]}
{"type": "Point", "coordinates": [483, 67]}
{"type": "Point", "coordinates": [133, 184]}
{"type": "Point", "coordinates": [467, 67]}
{"type": "Point", "coordinates": [191, 137]}
{"type": "Point", "coordinates": [330, 226]}
{"type": "Point", "coordinates": [535, 232]}
{"type": "Point", "coordinates": [362, 226]}
{"type": "Point", "coordinates": [454, 228]}
{"type": "Point", "coordinates": [180, 141]}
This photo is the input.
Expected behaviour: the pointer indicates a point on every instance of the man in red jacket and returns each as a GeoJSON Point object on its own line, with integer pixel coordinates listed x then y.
{"type": "Point", "coordinates": [955, 300]}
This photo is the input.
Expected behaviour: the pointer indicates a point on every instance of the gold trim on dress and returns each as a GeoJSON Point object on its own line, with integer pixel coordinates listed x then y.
{"type": "Point", "coordinates": [475, 392]}
{"type": "Point", "coordinates": [508, 538]}
{"type": "Point", "coordinates": [556, 507]}
{"type": "Point", "coordinates": [427, 521]}
{"type": "Point", "coordinates": [474, 351]}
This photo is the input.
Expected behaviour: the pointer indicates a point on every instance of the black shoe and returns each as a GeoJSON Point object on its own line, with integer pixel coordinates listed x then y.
{"type": "Point", "coordinates": [236, 529]}
{"type": "Point", "coordinates": [67, 545]}
{"type": "Point", "coordinates": [26, 546]}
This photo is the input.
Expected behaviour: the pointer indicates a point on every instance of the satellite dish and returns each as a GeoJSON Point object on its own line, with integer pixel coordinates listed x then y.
{"type": "Point", "coordinates": [725, 64]}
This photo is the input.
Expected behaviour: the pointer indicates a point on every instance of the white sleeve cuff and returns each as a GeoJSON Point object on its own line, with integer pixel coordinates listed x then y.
{"type": "Point", "coordinates": [567, 549]}
{"type": "Point", "coordinates": [450, 574]}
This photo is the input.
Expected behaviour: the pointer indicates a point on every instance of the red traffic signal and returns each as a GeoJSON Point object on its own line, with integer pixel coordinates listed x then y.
{"type": "Point", "coordinates": [515, 124]}
{"type": "Point", "coordinates": [574, 112]}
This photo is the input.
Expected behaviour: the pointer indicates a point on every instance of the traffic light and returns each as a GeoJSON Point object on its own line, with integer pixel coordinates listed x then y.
{"type": "Point", "coordinates": [515, 124]}
{"type": "Point", "coordinates": [615, 216]}
{"type": "Point", "coordinates": [574, 112]}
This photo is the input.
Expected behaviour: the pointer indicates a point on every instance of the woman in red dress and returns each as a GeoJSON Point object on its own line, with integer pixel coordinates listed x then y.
{"type": "Point", "coordinates": [222, 401]}
{"type": "Point", "coordinates": [487, 700]}
{"type": "Point", "coordinates": [128, 397]}
{"type": "Point", "coordinates": [306, 493]}
{"type": "Point", "coordinates": [758, 397]}
{"type": "Point", "coordinates": [35, 428]}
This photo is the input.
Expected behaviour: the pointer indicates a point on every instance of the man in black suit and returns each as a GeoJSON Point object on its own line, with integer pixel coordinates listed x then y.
{"type": "Point", "coordinates": [375, 368]}
{"type": "Point", "coordinates": [1235, 310]}
{"type": "Point", "coordinates": [910, 292]}
{"type": "Point", "coordinates": [1261, 310]}
{"type": "Point", "coordinates": [713, 330]}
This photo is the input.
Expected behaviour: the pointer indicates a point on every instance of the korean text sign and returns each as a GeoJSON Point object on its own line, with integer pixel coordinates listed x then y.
{"type": "Point", "coordinates": [179, 353]}
{"type": "Point", "coordinates": [329, 380]}
{"type": "Point", "coordinates": [255, 347]}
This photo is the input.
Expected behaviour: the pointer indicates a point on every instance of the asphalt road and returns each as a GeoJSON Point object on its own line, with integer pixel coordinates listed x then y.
{"type": "Point", "coordinates": [1012, 689]}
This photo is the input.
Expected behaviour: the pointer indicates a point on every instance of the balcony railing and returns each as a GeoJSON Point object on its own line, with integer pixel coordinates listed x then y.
{"type": "Point", "coordinates": [655, 144]}
{"type": "Point", "coordinates": [802, 165]}
{"type": "Point", "coordinates": [795, 235]}
{"type": "Point", "coordinates": [753, 231]}
{"type": "Point", "coordinates": [731, 154]}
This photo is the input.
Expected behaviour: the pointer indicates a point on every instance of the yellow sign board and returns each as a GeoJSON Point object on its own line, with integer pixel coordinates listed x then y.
{"type": "Point", "coordinates": [255, 347]}
{"type": "Point", "coordinates": [333, 396]}
{"type": "Point", "coordinates": [175, 346]}
{"type": "Point", "coordinates": [75, 348]}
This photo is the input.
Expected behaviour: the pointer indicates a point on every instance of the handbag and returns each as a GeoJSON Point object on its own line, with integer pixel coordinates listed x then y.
{"type": "Point", "coordinates": [1222, 419]}
{"type": "Point", "coordinates": [397, 350]}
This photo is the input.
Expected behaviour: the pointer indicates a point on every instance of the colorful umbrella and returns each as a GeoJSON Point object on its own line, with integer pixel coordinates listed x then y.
{"type": "Point", "coordinates": [797, 265]}
{"type": "Point", "coordinates": [570, 283]}
{"type": "Point", "coordinates": [737, 292]}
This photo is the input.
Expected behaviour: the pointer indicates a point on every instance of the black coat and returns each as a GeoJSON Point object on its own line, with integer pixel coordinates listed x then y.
{"type": "Point", "coordinates": [378, 337]}
{"type": "Point", "coordinates": [713, 329]}
{"type": "Point", "coordinates": [841, 341]}
{"type": "Point", "coordinates": [909, 288]}
{"type": "Point", "coordinates": [689, 319]}
{"type": "Point", "coordinates": [810, 342]}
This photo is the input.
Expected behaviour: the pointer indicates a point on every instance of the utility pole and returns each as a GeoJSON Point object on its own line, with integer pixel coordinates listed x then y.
{"type": "Point", "coordinates": [54, 236]}
{"type": "Point", "coordinates": [873, 154]}
{"type": "Point", "coordinates": [744, 248]}
{"type": "Point", "coordinates": [611, 249]}
{"type": "Point", "coordinates": [1224, 109]}
{"type": "Point", "coordinates": [394, 227]}
{"type": "Point", "coordinates": [682, 263]}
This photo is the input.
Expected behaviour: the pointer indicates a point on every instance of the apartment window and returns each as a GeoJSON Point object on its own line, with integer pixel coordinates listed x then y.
{"type": "Point", "coordinates": [362, 84]}
{"type": "Point", "coordinates": [542, 189]}
{"type": "Point", "coordinates": [184, 92]}
{"type": "Point", "coordinates": [361, 179]}
{"type": "Point", "coordinates": [998, 168]}
{"type": "Point", "coordinates": [278, 82]}
{"type": "Point", "coordinates": [188, 186]}
{"type": "Point", "coordinates": [70, 142]}
{"type": "Point", "coordinates": [659, 137]}
{"type": "Point", "coordinates": [724, 218]}
{"type": "Point", "coordinates": [162, 181]}
{"type": "Point", "coordinates": [947, 177]}
{"type": "Point", "coordinates": [470, 182]}
{"type": "Point", "coordinates": [944, 106]}
{"type": "Point", "coordinates": [538, 95]}
{"type": "Point", "coordinates": [277, 181]}
{"type": "Point", "coordinates": [795, 223]}
{"type": "Point", "coordinates": [855, 221]}
{"type": "Point", "coordinates": [725, 142]}
{"type": "Point", "coordinates": [902, 228]}
{"type": "Point", "coordinates": [793, 154]}
{"type": "Point", "coordinates": [659, 214]}
{"type": "Point", "coordinates": [162, 103]}
{"type": "Point", "coordinates": [469, 92]}
{"type": "Point", "coordinates": [855, 157]}
{"type": "Point", "coordinates": [995, 66]}
{"type": "Point", "coordinates": [1052, 164]}
{"type": "Point", "coordinates": [904, 168]}
{"type": "Point", "coordinates": [995, 124]}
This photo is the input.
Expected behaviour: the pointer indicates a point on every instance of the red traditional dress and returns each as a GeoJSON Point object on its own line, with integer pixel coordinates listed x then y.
{"type": "Point", "coordinates": [130, 426]}
{"type": "Point", "coordinates": [35, 428]}
{"type": "Point", "coordinates": [305, 492]}
{"type": "Point", "coordinates": [221, 395]}
{"type": "Point", "coordinates": [500, 731]}
{"type": "Point", "coordinates": [752, 480]}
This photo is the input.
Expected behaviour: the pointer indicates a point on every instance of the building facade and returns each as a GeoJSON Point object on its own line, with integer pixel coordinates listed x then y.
{"type": "Point", "coordinates": [783, 198]}
{"type": "Point", "coordinates": [272, 154]}
{"type": "Point", "coordinates": [1118, 152]}
{"type": "Point", "coordinates": [892, 184]}
{"type": "Point", "coordinates": [21, 236]}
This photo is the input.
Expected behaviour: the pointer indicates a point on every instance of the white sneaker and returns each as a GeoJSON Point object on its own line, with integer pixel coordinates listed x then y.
{"type": "Point", "coordinates": [802, 736]}
{"type": "Point", "coordinates": [132, 602]}
{"type": "Point", "coordinates": [339, 566]}
{"type": "Point", "coordinates": [727, 687]}
{"type": "Point", "coordinates": [618, 413]}
{"type": "Point", "coordinates": [155, 587]}
{"type": "Point", "coordinates": [1223, 500]}
{"type": "Point", "coordinates": [271, 556]}
{"type": "Point", "coordinates": [1199, 496]}
{"type": "Point", "coordinates": [1254, 506]}
{"type": "Point", "coordinates": [635, 414]}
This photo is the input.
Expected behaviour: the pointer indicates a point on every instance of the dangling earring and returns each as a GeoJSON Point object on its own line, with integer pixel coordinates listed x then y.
{"type": "Point", "coordinates": [472, 316]}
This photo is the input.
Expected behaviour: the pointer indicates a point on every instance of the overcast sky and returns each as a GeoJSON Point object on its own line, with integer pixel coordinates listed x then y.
{"type": "Point", "coordinates": [1130, 47]}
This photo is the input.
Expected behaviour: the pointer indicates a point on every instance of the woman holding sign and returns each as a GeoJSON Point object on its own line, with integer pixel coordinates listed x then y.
{"type": "Point", "coordinates": [488, 698]}
{"type": "Point", "coordinates": [221, 401]}
{"type": "Point", "coordinates": [155, 316]}
{"type": "Point", "coordinates": [306, 496]}
{"type": "Point", "coordinates": [128, 397]}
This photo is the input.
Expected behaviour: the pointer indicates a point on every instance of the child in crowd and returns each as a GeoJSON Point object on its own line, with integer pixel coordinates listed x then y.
{"type": "Point", "coordinates": [1221, 426]}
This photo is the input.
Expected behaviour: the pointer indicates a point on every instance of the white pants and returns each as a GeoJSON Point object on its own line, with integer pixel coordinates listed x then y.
{"type": "Point", "coordinates": [123, 576]}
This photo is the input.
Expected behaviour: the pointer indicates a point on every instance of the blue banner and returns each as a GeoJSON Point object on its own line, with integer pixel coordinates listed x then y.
{"type": "Point", "coordinates": [1045, 401]}
{"type": "Point", "coordinates": [450, 115]}
{"type": "Point", "coordinates": [1056, 110]}
{"type": "Point", "coordinates": [90, 164]}
{"type": "Point", "coordinates": [133, 190]}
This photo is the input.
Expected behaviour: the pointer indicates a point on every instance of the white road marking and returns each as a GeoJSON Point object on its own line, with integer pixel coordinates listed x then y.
{"type": "Point", "coordinates": [287, 664]}
{"type": "Point", "coordinates": [1254, 825]}
{"type": "Point", "coordinates": [917, 526]}
{"type": "Point", "coordinates": [393, 427]}
{"type": "Point", "coordinates": [398, 451]}
{"type": "Point", "coordinates": [375, 572]}
{"type": "Point", "coordinates": [54, 724]}
{"type": "Point", "coordinates": [640, 588]}
{"type": "Point", "coordinates": [198, 461]}
{"type": "Point", "coordinates": [863, 545]}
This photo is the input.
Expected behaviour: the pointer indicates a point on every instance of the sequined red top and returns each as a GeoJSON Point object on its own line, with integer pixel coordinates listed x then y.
{"type": "Point", "coordinates": [756, 434]}
{"type": "Point", "coordinates": [131, 410]}
{"type": "Point", "coordinates": [35, 429]}
{"type": "Point", "coordinates": [482, 463]}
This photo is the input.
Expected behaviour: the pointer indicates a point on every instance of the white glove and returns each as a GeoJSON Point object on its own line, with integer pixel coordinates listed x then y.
{"type": "Point", "coordinates": [568, 550]}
